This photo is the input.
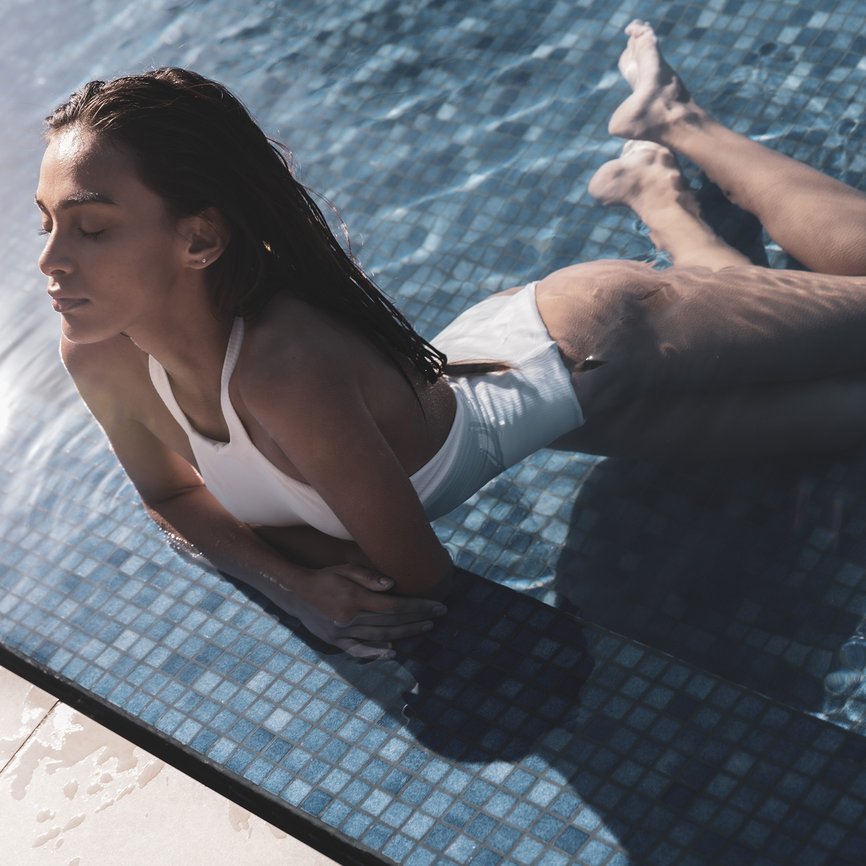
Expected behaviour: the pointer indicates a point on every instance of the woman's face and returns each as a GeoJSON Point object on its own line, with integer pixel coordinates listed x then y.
{"type": "Point", "coordinates": [114, 253]}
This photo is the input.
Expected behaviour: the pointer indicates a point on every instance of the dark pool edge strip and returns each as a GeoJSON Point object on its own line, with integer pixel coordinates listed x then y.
{"type": "Point", "coordinates": [240, 791]}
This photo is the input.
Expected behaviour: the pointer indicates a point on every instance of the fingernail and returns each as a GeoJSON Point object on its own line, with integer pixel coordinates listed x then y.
{"type": "Point", "coordinates": [427, 626]}
{"type": "Point", "coordinates": [440, 610]}
{"type": "Point", "coordinates": [384, 581]}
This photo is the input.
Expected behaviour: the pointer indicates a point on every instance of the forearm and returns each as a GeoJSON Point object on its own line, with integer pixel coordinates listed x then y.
{"type": "Point", "coordinates": [348, 605]}
{"type": "Point", "coordinates": [418, 562]}
{"type": "Point", "coordinates": [276, 560]}
{"type": "Point", "coordinates": [307, 546]}
{"type": "Point", "coordinates": [417, 569]}
{"type": "Point", "coordinates": [231, 546]}
{"type": "Point", "coordinates": [310, 547]}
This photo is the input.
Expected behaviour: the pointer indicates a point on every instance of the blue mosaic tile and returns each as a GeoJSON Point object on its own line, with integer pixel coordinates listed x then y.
{"type": "Point", "coordinates": [728, 725]}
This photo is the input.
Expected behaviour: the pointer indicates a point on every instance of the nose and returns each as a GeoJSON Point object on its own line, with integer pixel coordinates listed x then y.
{"type": "Point", "coordinates": [53, 261]}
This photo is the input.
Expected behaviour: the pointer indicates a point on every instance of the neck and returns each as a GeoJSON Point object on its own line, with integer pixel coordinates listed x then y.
{"type": "Point", "coordinates": [189, 342]}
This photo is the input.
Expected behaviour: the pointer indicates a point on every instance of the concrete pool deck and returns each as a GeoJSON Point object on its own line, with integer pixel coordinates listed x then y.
{"type": "Point", "coordinates": [74, 792]}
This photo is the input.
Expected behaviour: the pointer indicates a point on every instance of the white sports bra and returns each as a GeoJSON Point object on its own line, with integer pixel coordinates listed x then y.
{"type": "Point", "coordinates": [255, 491]}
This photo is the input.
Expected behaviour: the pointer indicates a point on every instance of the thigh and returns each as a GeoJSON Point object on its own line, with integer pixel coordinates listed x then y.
{"type": "Point", "coordinates": [653, 333]}
{"type": "Point", "coordinates": [819, 417]}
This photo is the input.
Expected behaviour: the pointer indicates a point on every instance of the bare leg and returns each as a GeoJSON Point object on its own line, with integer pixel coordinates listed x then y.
{"type": "Point", "coordinates": [818, 220]}
{"type": "Point", "coordinates": [742, 358]}
{"type": "Point", "coordinates": [811, 417]}
{"type": "Point", "coordinates": [647, 179]}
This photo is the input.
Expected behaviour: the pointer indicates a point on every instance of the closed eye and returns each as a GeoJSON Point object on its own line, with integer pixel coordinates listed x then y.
{"type": "Point", "coordinates": [91, 236]}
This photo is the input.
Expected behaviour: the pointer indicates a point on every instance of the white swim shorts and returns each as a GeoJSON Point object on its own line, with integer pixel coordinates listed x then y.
{"type": "Point", "coordinates": [501, 417]}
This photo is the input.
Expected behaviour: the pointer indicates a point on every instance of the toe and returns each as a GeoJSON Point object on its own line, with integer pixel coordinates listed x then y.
{"type": "Point", "coordinates": [635, 27]}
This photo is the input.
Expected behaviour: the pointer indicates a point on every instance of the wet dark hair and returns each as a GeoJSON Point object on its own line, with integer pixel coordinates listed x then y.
{"type": "Point", "coordinates": [197, 147]}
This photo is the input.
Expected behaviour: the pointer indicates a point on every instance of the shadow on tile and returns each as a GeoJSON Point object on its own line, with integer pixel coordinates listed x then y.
{"type": "Point", "coordinates": [494, 677]}
{"type": "Point", "coordinates": [750, 570]}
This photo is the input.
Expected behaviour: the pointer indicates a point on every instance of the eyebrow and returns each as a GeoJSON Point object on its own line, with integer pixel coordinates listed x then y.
{"type": "Point", "coordinates": [80, 198]}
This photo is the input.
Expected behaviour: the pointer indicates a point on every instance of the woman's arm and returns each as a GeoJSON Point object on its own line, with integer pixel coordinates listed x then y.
{"type": "Point", "coordinates": [306, 394]}
{"type": "Point", "coordinates": [308, 546]}
{"type": "Point", "coordinates": [345, 604]}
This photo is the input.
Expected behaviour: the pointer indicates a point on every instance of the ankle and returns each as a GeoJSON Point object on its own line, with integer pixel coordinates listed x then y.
{"type": "Point", "coordinates": [685, 121]}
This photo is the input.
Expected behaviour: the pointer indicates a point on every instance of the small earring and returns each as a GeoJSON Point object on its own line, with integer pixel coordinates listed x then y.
{"type": "Point", "coordinates": [204, 261]}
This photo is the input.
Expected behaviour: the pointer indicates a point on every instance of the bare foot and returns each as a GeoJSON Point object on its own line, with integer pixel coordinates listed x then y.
{"type": "Point", "coordinates": [659, 100]}
{"type": "Point", "coordinates": [646, 176]}
{"type": "Point", "coordinates": [647, 179]}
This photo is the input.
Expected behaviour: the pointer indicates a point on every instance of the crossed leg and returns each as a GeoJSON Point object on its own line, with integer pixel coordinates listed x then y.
{"type": "Point", "coordinates": [817, 219]}
{"type": "Point", "coordinates": [647, 179]}
{"type": "Point", "coordinates": [715, 356]}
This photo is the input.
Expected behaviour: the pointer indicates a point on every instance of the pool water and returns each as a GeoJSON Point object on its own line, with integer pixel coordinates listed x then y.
{"type": "Point", "coordinates": [708, 702]}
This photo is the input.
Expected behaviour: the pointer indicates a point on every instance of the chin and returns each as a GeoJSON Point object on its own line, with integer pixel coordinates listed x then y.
{"type": "Point", "coordinates": [79, 333]}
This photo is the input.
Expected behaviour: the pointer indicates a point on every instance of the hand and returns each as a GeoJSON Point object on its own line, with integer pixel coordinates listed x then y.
{"type": "Point", "coordinates": [349, 606]}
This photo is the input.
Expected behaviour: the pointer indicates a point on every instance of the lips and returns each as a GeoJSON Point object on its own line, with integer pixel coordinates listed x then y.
{"type": "Point", "coordinates": [66, 305]}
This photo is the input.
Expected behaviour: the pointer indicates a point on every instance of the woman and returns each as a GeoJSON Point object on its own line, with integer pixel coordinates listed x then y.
{"type": "Point", "coordinates": [211, 322]}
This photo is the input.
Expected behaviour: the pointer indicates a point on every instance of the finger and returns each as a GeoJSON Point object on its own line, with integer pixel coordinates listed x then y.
{"type": "Point", "coordinates": [379, 633]}
{"type": "Point", "coordinates": [387, 618]}
{"type": "Point", "coordinates": [386, 614]}
{"type": "Point", "coordinates": [369, 578]}
{"type": "Point", "coordinates": [397, 604]}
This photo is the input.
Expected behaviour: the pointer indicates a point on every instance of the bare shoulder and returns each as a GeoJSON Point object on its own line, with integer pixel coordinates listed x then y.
{"type": "Point", "coordinates": [295, 349]}
{"type": "Point", "coordinates": [110, 375]}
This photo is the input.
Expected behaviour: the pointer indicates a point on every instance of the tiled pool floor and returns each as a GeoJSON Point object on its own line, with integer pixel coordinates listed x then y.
{"type": "Point", "coordinates": [710, 708]}
{"type": "Point", "coordinates": [527, 736]}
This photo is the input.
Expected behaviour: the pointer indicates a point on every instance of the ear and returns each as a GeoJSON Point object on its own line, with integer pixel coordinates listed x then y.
{"type": "Point", "coordinates": [206, 236]}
